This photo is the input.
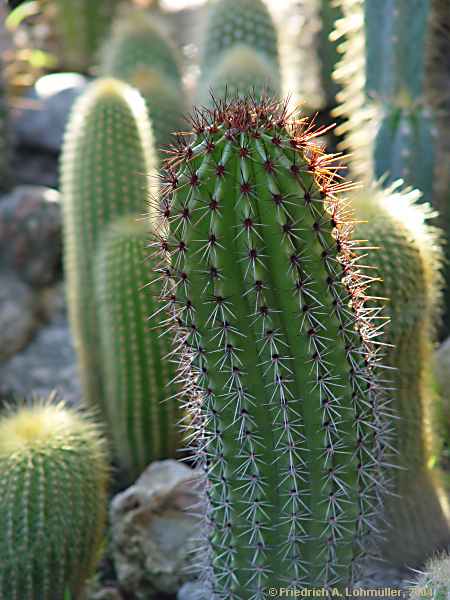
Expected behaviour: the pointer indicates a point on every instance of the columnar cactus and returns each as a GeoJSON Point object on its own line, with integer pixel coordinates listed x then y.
{"type": "Point", "coordinates": [268, 304]}
{"type": "Point", "coordinates": [53, 479]}
{"type": "Point", "coordinates": [438, 94]}
{"type": "Point", "coordinates": [390, 129]}
{"type": "Point", "coordinates": [141, 53]}
{"type": "Point", "coordinates": [241, 72]}
{"type": "Point", "coordinates": [235, 22]}
{"type": "Point", "coordinates": [107, 170]}
{"type": "Point", "coordinates": [138, 40]}
{"type": "Point", "coordinates": [81, 26]}
{"type": "Point", "coordinates": [141, 412]}
{"type": "Point", "coordinates": [408, 259]}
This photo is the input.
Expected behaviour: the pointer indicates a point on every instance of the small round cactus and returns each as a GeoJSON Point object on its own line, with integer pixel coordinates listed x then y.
{"type": "Point", "coordinates": [53, 485]}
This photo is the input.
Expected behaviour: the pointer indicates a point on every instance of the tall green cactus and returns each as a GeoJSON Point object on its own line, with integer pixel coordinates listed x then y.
{"type": "Point", "coordinates": [81, 26]}
{"type": "Point", "coordinates": [395, 43]}
{"type": "Point", "coordinates": [141, 411]}
{"type": "Point", "coordinates": [279, 358]}
{"type": "Point", "coordinates": [390, 128]}
{"type": "Point", "coordinates": [234, 22]}
{"type": "Point", "coordinates": [107, 170]}
{"type": "Point", "coordinates": [408, 260]}
{"type": "Point", "coordinates": [241, 72]}
{"type": "Point", "coordinates": [53, 479]}
{"type": "Point", "coordinates": [141, 53]}
{"type": "Point", "coordinates": [438, 94]}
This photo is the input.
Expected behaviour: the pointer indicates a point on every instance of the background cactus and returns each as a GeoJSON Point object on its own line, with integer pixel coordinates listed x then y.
{"type": "Point", "coordinates": [107, 170]}
{"type": "Point", "coordinates": [389, 126]}
{"type": "Point", "coordinates": [141, 53]}
{"type": "Point", "coordinates": [235, 22]}
{"type": "Point", "coordinates": [141, 413]}
{"type": "Point", "coordinates": [81, 27]}
{"type": "Point", "coordinates": [53, 478]}
{"type": "Point", "coordinates": [264, 275]}
{"type": "Point", "coordinates": [434, 583]}
{"type": "Point", "coordinates": [241, 72]}
{"type": "Point", "coordinates": [329, 13]}
{"type": "Point", "coordinates": [408, 259]}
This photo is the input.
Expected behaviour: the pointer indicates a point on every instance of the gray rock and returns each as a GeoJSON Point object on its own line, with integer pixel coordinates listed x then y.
{"type": "Point", "coordinates": [47, 364]}
{"type": "Point", "coordinates": [18, 320]}
{"type": "Point", "coordinates": [30, 234]}
{"type": "Point", "coordinates": [31, 167]}
{"type": "Point", "coordinates": [154, 526]}
{"type": "Point", "coordinates": [42, 120]}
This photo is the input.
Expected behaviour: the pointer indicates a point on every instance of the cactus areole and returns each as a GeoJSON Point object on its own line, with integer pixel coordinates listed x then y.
{"type": "Point", "coordinates": [266, 298]}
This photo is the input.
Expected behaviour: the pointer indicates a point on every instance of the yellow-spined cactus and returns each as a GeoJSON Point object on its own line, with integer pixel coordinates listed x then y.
{"type": "Point", "coordinates": [53, 484]}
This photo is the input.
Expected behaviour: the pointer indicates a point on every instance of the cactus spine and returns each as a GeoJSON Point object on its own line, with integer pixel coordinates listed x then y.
{"type": "Point", "coordinates": [140, 53]}
{"type": "Point", "coordinates": [107, 170]}
{"type": "Point", "coordinates": [290, 427]}
{"type": "Point", "coordinates": [81, 25]}
{"type": "Point", "coordinates": [140, 416]}
{"type": "Point", "coordinates": [53, 479]}
{"type": "Point", "coordinates": [408, 260]}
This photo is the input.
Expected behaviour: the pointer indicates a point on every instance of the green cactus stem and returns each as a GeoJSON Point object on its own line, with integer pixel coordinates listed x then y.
{"type": "Point", "coordinates": [107, 170]}
{"type": "Point", "coordinates": [404, 148]}
{"type": "Point", "coordinates": [82, 26]}
{"type": "Point", "coordinates": [408, 259]}
{"type": "Point", "coordinates": [235, 22]}
{"type": "Point", "coordinates": [141, 411]}
{"type": "Point", "coordinates": [396, 36]}
{"type": "Point", "coordinates": [53, 480]}
{"type": "Point", "coordinates": [438, 96]}
{"type": "Point", "coordinates": [140, 52]}
{"type": "Point", "coordinates": [139, 40]}
{"type": "Point", "coordinates": [279, 355]}
{"type": "Point", "coordinates": [241, 72]}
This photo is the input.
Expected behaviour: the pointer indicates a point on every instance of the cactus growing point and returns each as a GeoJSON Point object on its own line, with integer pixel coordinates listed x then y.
{"type": "Point", "coordinates": [267, 301]}
{"type": "Point", "coordinates": [53, 479]}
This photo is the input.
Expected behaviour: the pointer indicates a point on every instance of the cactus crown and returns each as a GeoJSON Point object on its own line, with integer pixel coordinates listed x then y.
{"type": "Point", "coordinates": [259, 273]}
